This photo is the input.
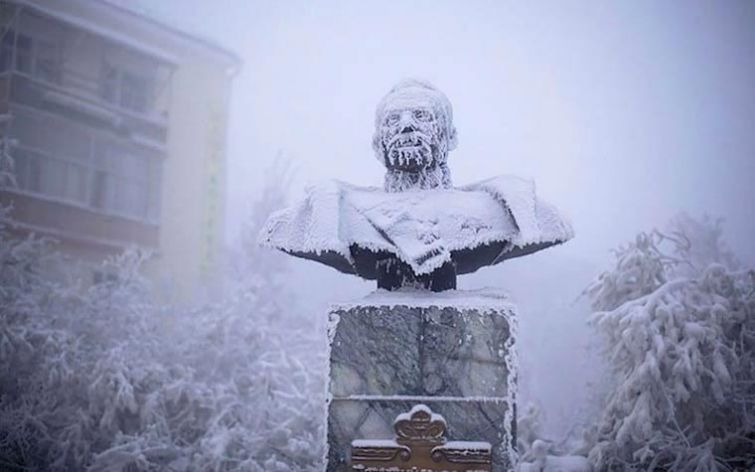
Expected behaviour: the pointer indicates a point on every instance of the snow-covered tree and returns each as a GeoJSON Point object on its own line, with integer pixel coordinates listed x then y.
{"type": "Point", "coordinates": [528, 429]}
{"type": "Point", "coordinates": [105, 378]}
{"type": "Point", "coordinates": [7, 172]}
{"type": "Point", "coordinates": [677, 319]}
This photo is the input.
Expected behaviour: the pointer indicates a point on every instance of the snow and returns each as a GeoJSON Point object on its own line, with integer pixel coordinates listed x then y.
{"type": "Point", "coordinates": [105, 377]}
{"type": "Point", "coordinates": [420, 409]}
{"type": "Point", "coordinates": [467, 445]}
{"type": "Point", "coordinates": [330, 328]}
{"type": "Point", "coordinates": [558, 464]}
{"type": "Point", "coordinates": [422, 227]}
{"type": "Point", "coordinates": [537, 221]}
{"type": "Point", "coordinates": [512, 363]}
{"type": "Point", "coordinates": [375, 443]}
{"type": "Point", "coordinates": [544, 462]}
{"type": "Point", "coordinates": [679, 336]}
{"type": "Point", "coordinates": [485, 299]}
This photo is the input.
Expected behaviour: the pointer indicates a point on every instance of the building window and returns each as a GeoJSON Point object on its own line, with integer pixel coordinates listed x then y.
{"type": "Point", "coordinates": [126, 88]}
{"type": "Point", "coordinates": [24, 57]}
{"type": "Point", "coordinates": [47, 61]}
{"type": "Point", "coordinates": [121, 182]}
{"type": "Point", "coordinates": [41, 173]}
{"type": "Point", "coordinates": [6, 51]}
{"type": "Point", "coordinates": [39, 58]}
{"type": "Point", "coordinates": [51, 157]}
{"type": "Point", "coordinates": [97, 171]}
{"type": "Point", "coordinates": [109, 83]}
{"type": "Point", "coordinates": [134, 92]}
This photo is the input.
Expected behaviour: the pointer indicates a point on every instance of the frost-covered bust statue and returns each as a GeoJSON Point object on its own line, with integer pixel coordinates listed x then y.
{"type": "Point", "coordinates": [414, 132]}
{"type": "Point", "coordinates": [419, 231]}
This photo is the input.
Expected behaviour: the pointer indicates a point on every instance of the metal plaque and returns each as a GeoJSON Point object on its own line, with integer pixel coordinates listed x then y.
{"type": "Point", "coordinates": [420, 446]}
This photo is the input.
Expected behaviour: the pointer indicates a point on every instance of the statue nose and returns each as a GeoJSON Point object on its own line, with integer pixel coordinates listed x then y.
{"type": "Point", "coordinates": [406, 124]}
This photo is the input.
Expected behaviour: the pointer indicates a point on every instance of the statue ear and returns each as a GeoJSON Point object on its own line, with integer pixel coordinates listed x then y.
{"type": "Point", "coordinates": [452, 139]}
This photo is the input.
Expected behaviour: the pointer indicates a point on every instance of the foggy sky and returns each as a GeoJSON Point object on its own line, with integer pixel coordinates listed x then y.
{"type": "Point", "coordinates": [623, 114]}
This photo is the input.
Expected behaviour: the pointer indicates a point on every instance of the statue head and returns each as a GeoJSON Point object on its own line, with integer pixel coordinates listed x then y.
{"type": "Point", "coordinates": [414, 132]}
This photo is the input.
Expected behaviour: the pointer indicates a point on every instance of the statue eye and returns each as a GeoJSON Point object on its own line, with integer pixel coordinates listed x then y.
{"type": "Point", "coordinates": [392, 119]}
{"type": "Point", "coordinates": [422, 115]}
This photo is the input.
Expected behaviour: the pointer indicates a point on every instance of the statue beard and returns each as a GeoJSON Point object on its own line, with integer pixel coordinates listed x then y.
{"type": "Point", "coordinates": [409, 152]}
{"type": "Point", "coordinates": [415, 161]}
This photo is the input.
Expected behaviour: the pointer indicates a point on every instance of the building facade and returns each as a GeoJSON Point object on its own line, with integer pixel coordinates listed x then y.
{"type": "Point", "coordinates": [115, 125]}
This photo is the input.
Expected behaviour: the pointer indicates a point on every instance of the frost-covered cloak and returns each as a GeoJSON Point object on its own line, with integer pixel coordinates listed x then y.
{"type": "Point", "coordinates": [350, 228]}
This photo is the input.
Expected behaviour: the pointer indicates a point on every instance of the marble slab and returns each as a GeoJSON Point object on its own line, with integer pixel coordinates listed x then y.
{"type": "Point", "coordinates": [453, 351]}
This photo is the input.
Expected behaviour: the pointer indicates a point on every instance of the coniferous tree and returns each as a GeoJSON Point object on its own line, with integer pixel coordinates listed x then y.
{"type": "Point", "coordinates": [677, 318]}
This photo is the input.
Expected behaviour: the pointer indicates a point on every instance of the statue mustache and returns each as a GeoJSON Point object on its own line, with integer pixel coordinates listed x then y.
{"type": "Point", "coordinates": [417, 137]}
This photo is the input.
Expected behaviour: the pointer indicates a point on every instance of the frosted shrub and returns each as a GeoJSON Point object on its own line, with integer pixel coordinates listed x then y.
{"type": "Point", "coordinates": [678, 323]}
{"type": "Point", "coordinates": [104, 378]}
{"type": "Point", "coordinates": [528, 430]}
{"type": "Point", "coordinates": [7, 165]}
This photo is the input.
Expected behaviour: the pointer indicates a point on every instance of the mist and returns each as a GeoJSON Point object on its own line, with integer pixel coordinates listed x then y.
{"type": "Point", "coordinates": [624, 114]}
{"type": "Point", "coordinates": [633, 111]}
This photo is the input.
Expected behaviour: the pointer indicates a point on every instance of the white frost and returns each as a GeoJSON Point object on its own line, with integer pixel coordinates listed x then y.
{"type": "Point", "coordinates": [422, 228]}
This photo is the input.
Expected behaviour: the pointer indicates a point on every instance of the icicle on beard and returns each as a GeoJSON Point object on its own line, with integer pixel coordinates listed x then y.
{"type": "Point", "coordinates": [409, 152]}
{"type": "Point", "coordinates": [419, 167]}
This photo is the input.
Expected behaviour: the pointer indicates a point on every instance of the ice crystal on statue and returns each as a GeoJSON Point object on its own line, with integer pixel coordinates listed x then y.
{"type": "Point", "coordinates": [418, 230]}
{"type": "Point", "coordinates": [414, 132]}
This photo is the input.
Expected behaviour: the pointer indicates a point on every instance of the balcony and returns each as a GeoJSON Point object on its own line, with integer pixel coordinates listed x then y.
{"type": "Point", "coordinates": [47, 64]}
{"type": "Point", "coordinates": [85, 122]}
{"type": "Point", "coordinates": [81, 183]}
{"type": "Point", "coordinates": [71, 102]}
{"type": "Point", "coordinates": [76, 224]}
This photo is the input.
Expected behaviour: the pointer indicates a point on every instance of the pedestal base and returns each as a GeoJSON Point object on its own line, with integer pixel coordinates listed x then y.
{"type": "Point", "coordinates": [452, 351]}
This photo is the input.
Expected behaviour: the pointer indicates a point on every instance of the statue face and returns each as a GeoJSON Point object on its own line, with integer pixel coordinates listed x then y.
{"type": "Point", "coordinates": [414, 132]}
{"type": "Point", "coordinates": [410, 135]}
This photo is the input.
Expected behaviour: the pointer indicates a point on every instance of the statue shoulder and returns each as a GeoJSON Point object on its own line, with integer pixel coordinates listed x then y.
{"type": "Point", "coordinates": [310, 224]}
{"type": "Point", "coordinates": [537, 220]}
{"type": "Point", "coordinates": [505, 185]}
{"type": "Point", "coordinates": [324, 219]}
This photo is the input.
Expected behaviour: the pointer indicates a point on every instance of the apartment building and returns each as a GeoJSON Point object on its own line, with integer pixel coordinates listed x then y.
{"type": "Point", "coordinates": [116, 126]}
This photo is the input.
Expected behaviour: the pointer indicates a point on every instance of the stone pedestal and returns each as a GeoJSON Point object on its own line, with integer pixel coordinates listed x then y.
{"type": "Point", "coordinates": [452, 351]}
